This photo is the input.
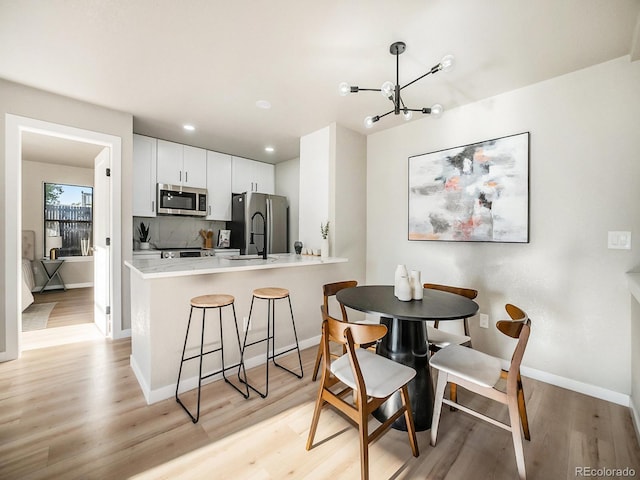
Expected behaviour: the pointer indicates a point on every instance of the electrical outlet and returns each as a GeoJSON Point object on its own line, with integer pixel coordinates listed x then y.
{"type": "Point", "coordinates": [484, 320]}
{"type": "Point", "coordinates": [619, 240]}
{"type": "Point", "coordinates": [245, 322]}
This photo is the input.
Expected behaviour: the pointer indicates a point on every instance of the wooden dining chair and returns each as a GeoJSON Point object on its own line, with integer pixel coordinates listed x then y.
{"type": "Point", "coordinates": [479, 373]}
{"type": "Point", "coordinates": [330, 290]}
{"type": "Point", "coordinates": [368, 380]}
{"type": "Point", "coordinates": [438, 339]}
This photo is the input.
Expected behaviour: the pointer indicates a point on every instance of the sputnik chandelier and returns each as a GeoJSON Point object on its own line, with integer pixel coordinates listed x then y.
{"type": "Point", "coordinates": [392, 92]}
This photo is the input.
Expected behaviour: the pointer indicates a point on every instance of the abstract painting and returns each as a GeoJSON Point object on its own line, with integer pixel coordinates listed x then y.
{"type": "Point", "coordinates": [473, 193]}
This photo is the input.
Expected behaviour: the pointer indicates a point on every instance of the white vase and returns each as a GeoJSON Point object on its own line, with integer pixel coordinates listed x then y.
{"type": "Point", "coordinates": [404, 289]}
{"type": "Point", "coordinates": [144, 246]}
{"type": "Point", "coordinates": [401, 270]}
{"type": "Point", "coordinates": [324, 248]}
{"type": "Point", "coordinates": [417, 291]}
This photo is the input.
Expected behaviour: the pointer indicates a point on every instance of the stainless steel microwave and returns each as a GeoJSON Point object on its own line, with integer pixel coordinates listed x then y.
{"type": "Point", "coordinates": [177, 200]}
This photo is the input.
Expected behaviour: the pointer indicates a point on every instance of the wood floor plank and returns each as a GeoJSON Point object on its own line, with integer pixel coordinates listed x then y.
{"type": "Point", "coordinates": [76, 411]}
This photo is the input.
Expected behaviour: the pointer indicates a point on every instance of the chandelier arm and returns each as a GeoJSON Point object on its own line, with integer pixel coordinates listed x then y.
{"type": "Point", "coordinates": [368, 90]}
{"type": "Point", "coordinates": [419, 78]}
{"type": "Point", "coordinates": [385, 114]}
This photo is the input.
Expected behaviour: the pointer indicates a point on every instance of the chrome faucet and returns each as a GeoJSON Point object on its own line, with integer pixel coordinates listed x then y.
{"type": "Point", "coordinates": [263, 234]}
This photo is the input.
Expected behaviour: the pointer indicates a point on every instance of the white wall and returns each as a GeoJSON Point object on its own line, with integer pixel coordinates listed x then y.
{"type": "Point", "coordinates": [288, 184]}
{"type": "Point", "coordinates": [347, 194]}
{"type": "Point", "coordinates": [34, 174]}
{"type": "Point", "coordinates": [584, 175]}
{"type": "Point", "coordinates": [315, 154]}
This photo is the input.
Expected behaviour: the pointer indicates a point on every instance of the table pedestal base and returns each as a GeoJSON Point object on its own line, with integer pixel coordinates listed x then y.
{"type": "Point", "coordinates": [406, 343]}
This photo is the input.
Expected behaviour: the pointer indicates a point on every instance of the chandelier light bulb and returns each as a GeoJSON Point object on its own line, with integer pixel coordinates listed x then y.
{"type": "Point", "coordinates": [407, 114]}
{"type": "Point", "coordinates": [368, 122]}
{"type": "Point", "coordinates": [436, 110]}
{"type": "Point", "coordinates": [447, 63]}
{"type": "Point", "coordinates": [387, 89]}
{"type": "Point", "coordinates": [344, 88]}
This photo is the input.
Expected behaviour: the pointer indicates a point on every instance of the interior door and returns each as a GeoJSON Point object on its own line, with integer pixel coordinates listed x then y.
{"type": "Point", "coordinates": [101, 242]}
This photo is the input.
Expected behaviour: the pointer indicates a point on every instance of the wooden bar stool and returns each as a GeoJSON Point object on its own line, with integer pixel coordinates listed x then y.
{"type": "Point", "coordinates": [205, 302]}
{"type": "Point", "coordinates": [271, 294]}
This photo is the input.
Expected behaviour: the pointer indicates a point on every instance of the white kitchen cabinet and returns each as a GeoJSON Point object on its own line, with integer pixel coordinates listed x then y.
{"type": "Point", "coordinates": [144, 176]}
{"type": "Point", "coordinates": [195, 167]}
{"type": "Point", "coordinates": [181, 165]}
{"type": "Point", "coordinates": [218, 186]}
{"type": "Point", "coordinates": [252, 176]}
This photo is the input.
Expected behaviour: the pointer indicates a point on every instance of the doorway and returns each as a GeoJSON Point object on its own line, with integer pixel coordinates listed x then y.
{"type": "Point", "coordinates": [16, 126]}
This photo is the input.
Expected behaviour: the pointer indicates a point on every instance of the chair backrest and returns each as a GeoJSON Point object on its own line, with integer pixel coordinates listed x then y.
{"type": "Point", "coordinates": [360, 333]}
{"type": "Point", "coordinates": [518, 327]}
{"type": "Point", "coordinates": [351, 335]}
{"type": "Point", "coordinates": [330, 289]}
{"type": "Point", "coordinates": [467, 292]}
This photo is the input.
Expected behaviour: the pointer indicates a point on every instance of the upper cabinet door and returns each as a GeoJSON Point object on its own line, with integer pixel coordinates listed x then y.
{"type": "Point", "coordinates": [144, 176]}
{"type": "Point", "coordinates": [181, 165]}
{"type": "Point", "coordinates": [252, 176]}
{"type": "Point", "coordinates": [194, 169]}
{"type": "Point", "coordinates": [218, 186]}
{"type": "Point", "coordinates": [170, 162]}
{"type": "Point", "coordinates": [264, 177]}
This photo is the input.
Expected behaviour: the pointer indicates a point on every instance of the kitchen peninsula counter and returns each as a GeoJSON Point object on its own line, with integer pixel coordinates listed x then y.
{"type": "Point", "coordinates": [161, 290]}
{"type": "Point", "coordinates": [178, 267]}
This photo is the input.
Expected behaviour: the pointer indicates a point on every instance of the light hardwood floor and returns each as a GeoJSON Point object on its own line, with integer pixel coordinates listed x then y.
{"type": "Point", "coordinates": [76, 411]}
{"type": "Point", "coordinates": [73, 306]}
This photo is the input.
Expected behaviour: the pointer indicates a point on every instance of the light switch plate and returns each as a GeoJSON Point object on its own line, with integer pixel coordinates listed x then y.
{"type": "Point", "coordinates": [484, 320]}
{"type": "Point", "coordinates": [619, 240]}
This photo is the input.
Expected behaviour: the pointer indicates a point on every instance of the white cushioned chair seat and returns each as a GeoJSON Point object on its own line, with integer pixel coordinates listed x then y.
{"type": "Point", "coordinates": [467, 363]}
{"type": "Point", "coordinates": [443, 339]}
{"type": "Point", "coordinates": [381, 375]}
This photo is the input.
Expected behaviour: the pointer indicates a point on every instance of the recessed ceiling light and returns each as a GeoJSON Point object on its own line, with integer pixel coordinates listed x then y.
{"type": "Point", "coordinates": [188, 127]}
{"type": "Point", "coordinates": [269, 149]}
{"type": "Point", "coordinates": [264, 104]}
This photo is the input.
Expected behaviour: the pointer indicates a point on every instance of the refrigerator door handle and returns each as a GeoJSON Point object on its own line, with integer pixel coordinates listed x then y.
{"type": "Point", "coordinates": [269, 240]}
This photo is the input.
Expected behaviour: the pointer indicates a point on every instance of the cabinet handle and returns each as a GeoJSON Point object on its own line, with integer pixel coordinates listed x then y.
{"type": "Point", "coordinates": [153, 206]}
{"type": "Point", "coordinates": [256, 186]}
{"type": "Point", "coordinates": [209, 209]}
{"type": "Point", "coordinates": [186, 177]}
{"type": "Point", "coordinates": [180, 176]}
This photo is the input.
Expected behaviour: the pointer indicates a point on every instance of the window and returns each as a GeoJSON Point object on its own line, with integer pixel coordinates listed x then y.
{"type": "Point", "coordinates": [68, 219]}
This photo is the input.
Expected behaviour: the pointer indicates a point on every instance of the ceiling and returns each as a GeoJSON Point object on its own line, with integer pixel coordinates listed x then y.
{"type": "Point", "coordinates": [207, 62]}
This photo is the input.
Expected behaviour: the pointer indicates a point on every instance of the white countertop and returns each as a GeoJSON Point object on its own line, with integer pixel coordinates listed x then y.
{"type": "Point", "coordinates": [180, 267]}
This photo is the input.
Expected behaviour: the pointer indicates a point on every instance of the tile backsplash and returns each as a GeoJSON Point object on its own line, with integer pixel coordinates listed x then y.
{"type": "Point", "coordinates": [169, 232]}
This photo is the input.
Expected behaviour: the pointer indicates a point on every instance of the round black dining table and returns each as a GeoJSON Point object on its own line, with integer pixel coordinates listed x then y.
{"type": "Point", "coordinates": [406, 339]}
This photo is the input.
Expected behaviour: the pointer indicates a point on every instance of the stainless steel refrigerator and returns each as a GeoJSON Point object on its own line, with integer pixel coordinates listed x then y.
{"type": "Point", "coordinates": [253, 214]}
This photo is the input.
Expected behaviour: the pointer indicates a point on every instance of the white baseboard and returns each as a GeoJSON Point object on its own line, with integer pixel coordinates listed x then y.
{"type": "Point", "coordinates": [576, 386]}
{"type": "Point", "coordinates": [57, 286]}
{"type": "Point", "coordinates": [186, 384]}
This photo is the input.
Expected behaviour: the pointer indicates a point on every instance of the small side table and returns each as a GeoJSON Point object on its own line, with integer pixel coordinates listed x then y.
{"type": "Point", "coordinates": [52, 269]}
